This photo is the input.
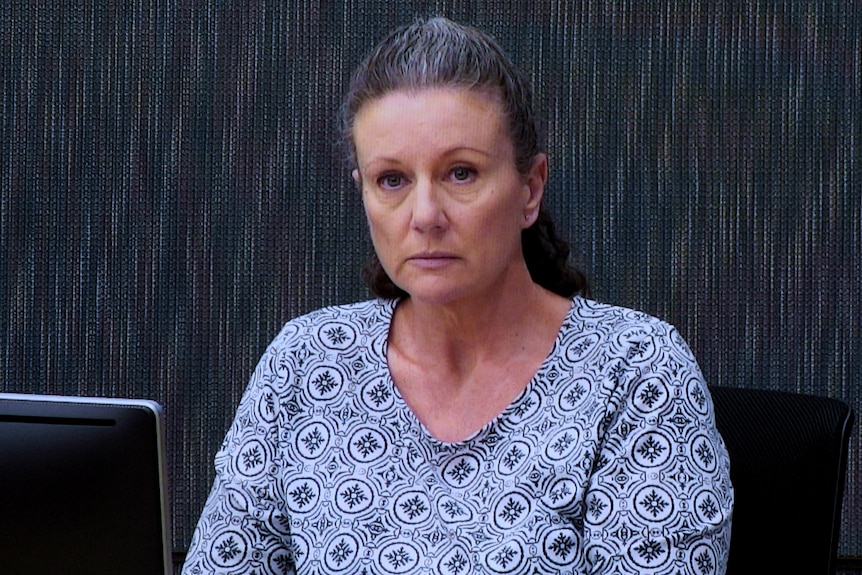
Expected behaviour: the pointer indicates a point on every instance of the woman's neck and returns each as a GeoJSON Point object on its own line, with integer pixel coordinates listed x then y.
{"type": "Point", "coordinates": [458, 368]}
{"type": "Point", "coordinates": [483, 326]}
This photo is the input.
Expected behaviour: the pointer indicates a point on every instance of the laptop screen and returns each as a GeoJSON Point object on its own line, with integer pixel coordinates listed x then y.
{"type": "Point", "coordinates": [82, 486]}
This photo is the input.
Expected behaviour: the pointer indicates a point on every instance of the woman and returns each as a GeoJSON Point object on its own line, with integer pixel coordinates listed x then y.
{"type": "Point", "coordinates": [481, 415]}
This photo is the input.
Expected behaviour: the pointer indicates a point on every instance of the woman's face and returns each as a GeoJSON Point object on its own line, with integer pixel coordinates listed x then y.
{"type": "Point", "coordinates": [444, 201]}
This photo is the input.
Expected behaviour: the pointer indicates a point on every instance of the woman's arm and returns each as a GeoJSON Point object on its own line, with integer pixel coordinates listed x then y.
{"type": "Point", "coordinates": [242, 527]}
{"type": "Point", "coordinates": [659, 499]}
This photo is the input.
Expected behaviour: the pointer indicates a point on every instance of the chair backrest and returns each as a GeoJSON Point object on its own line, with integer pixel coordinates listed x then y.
{"type": "Point", "coordinates": [788, 459]}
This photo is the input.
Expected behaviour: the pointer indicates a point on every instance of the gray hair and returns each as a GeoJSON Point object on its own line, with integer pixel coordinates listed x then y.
{"type": "Point", "coordinates": [441, 53]}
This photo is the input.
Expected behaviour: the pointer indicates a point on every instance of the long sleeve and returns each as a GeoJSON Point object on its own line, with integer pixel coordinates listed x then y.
{"type": "Point", "coordinates": [242, 528]}
{"type": "Point", "coordinates": [659, 499]}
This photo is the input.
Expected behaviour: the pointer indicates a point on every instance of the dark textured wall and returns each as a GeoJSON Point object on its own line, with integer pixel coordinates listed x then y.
{"type": "Point", "coordinates": [171, 190]}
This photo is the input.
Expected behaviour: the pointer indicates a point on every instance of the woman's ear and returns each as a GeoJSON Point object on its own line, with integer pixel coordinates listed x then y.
{"type": "Point", "coordinates": [357, 177]}
{"type": "Point", "coordinates": [534, 184]}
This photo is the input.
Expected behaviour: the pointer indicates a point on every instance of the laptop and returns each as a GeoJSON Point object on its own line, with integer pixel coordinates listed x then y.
{"type": "Point", "coordinates": [82, 486]}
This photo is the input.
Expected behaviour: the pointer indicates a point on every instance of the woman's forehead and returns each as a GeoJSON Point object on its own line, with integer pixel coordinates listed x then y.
{"type": "Point", "coordinates": [430, 117]}
{"type": "Point", "coordinates": [435, 105]}
{"type": "Point", "coordinates": [485, 96]}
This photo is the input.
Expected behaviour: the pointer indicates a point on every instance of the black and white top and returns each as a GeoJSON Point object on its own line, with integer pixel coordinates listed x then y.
{"type": "Point", "coordinates": [608, 462]}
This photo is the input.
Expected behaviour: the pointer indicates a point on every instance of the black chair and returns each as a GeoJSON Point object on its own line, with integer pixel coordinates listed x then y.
{"type": "Point", "coordinates": [788, 459]}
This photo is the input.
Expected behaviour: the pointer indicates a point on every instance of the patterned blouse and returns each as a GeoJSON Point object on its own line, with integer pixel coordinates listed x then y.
{"type": "Point", "coordinates": [608, 462]}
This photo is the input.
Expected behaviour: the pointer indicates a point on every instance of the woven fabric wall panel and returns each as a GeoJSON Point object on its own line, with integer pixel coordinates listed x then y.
{"type": "Point", "coordinates": [172, 190]}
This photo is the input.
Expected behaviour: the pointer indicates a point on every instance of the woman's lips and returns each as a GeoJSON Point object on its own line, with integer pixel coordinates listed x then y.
{"type": "Point", "coordinates": [432, 260]}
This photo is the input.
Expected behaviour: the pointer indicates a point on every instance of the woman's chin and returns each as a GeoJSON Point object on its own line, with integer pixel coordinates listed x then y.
{"type": "Point", "coordinates": [430, 292]}
{"type": "Point", "coordinates": [441, 293]}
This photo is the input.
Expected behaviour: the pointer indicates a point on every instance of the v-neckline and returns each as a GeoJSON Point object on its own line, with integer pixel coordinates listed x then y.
{"type": "Point", "coordinates": [494, 421]}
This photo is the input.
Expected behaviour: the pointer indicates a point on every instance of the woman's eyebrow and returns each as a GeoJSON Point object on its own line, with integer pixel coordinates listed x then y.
{"type": "Point", "coordinates": [458, 149]}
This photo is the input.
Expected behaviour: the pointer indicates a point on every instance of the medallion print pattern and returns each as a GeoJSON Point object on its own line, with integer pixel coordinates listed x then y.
{"type": "Point", "coordinates": [608, 462]}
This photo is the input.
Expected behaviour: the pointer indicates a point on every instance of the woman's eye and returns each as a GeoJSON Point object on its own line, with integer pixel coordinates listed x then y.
{"type": "Point", "coordinates": [390, 181]}
{"type": "Point", "coordinates": [463, 174]}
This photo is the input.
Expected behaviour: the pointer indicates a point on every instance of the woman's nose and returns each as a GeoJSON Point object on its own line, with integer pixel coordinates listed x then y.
{"type": "Point", "coordinates": [428, 211]}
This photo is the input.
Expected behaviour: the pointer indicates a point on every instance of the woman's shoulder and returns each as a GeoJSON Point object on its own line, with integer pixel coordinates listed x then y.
{"type": "Point", "coordinates": [336, 327]}
{"type": "Point", "coordinates": [361, 309]}
{"type": "Point", "coordinates": [593, 324]}
{"type": "Point", "coordinates": [324, 341]}
{"type": "Point", "coordinates": [591, 313]}
{"type": "Point", "coordinates": [361, 315]}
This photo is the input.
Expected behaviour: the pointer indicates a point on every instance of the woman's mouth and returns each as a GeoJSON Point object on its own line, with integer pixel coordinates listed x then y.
{"type": "Point", "coordinates": [432, 260]}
